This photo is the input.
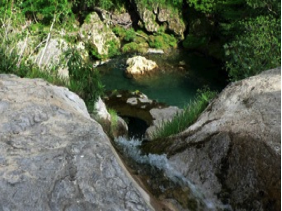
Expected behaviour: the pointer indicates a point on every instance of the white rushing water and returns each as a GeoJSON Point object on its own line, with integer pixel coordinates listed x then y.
{"type": "Point", "coordinates": [131, 149]}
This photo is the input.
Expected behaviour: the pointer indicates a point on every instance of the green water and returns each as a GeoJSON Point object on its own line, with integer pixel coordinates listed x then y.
{"type": "Point", "coordinates": [173, 84]}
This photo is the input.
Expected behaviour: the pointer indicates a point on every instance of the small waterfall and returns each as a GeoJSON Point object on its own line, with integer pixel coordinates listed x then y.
{"type": "Point", "coordinates": [130, 148]}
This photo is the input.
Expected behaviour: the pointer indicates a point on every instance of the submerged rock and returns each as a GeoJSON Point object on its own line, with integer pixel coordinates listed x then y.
{"type": "Point", "coordinates": [233, 151]}
{"type": "Point", "coordinates": [139, 65]}
{"type": "Point", "coordinates": [53, 156]}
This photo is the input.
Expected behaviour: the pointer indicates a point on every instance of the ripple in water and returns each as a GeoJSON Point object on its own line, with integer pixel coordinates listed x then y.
{"type": "Point", "coordinates": [131, 149]}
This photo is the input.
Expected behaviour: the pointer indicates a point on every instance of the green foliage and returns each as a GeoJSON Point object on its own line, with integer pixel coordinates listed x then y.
{"type": "Point", "coordinates": [134, 47]}
{"type": "Point", "coordinates": [162, 41]}
{"type": "Point", "coordinates": [45, 10]}
{"type": "Point", "coordinates": [164, 3]}
{"type": "Point", "coordinates": [114, 119]}
{"type": "Point", "coordinates": [113, 48]}
{"type": "Point", "coordinates": [193, 42]}
{"type": "Point", "coordinates": [255, 50]}
{"type": "Point", "coordinates": [183, 120]}
{"type": "Point", "coordinates": [84, 79]}
{"type": "Point", "coordinates": [124, 34]}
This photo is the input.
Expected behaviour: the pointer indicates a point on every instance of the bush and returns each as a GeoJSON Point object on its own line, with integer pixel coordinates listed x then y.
{"type": "Point", "coordinates": [183, 120]}
{"type": "Point", "coordinates": [257, 49]}
{"type": "Point", "coordinates": [127, 35]}
{"type": "Point", "coordinates": [134, 47]}
{"type": "Point", "coordinates": [162, 41]}
{"type": "Point", "coordinates": [84, 79]}
{"type": "Point", "coordinates": [192, 42]}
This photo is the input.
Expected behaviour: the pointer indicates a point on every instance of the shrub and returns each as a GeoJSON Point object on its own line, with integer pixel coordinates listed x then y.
{"type": "Point", "coordinates": [84, 79]}
{"type": "Point", "coordinates": [113, 48]}
{"type": "Point", "coordinates": [186, 118]}
{"type": "Point", "coordinates": [134, 47]}
{"type": "Point", "coordinates": [192, 42]}
{"type": "Point", "coordinates": [162, 41]}
{"type": "Point", "coordinates": [257, 49]}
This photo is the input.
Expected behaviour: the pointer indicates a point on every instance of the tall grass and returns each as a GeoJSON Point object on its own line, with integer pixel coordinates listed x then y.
{"type": "Point", "coordinates": [186, 118]}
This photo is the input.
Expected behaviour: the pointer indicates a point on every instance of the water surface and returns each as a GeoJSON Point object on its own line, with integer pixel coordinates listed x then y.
{"type": "Point", "coordinates": [175, 84]}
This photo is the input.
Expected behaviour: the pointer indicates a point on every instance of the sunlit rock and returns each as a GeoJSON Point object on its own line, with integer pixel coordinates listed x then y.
{"type": "Point", "coordinates": [139, 65]}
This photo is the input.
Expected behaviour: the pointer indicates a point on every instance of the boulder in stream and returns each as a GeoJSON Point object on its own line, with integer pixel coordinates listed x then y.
{"type": "Point", "coordinates": [139, 65]}
{"type": "Point", "coordinates": [53, 156]}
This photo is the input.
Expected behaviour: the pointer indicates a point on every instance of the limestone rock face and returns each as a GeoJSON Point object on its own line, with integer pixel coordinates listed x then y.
{"type": "Point", "coordinates": [233, 151]}
{"type": "Point", "coordinates": [53, 156]}
{"type": "Point", "coordinates": [139, 65]}
{"type": "Point", "coordinates": [173, 20]}
{"type": "Point", "coordinates": [153, 18]}
{"type": "Point", "coordinates": [98, 35]}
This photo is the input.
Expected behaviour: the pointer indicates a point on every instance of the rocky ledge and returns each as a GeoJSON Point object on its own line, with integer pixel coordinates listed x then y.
{"type": "Point", "coordinates": [233, 151]}
{"type": "Point", "coordinates": [53, 156]}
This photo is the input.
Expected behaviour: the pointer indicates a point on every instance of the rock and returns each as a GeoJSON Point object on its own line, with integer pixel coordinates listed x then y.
{"type": "Point", "coordinates": [98, 35]}
{"type": "Point", "coordinates": [173, 20]}
{"type": "Point", "coordinates": [50, 56]}
{"type": "Point", "coordinates": [160, 115]}
{"type": "Point", "coordinates": [53, 156]}
{"type": "Point", "coordinates": [101, 62]}
{"type": "Point", "coordinates": [156, 16]}
{"type": "Point", "coordinates": [123, 19]}
{"type": "Point", "coordinates": [132, 101]}
{"type": "Point", "coordinates": [148, 17]}
{"type": "Point", "coordinates": [233, 151]}
{"type": "Point", "coordinates": [139, 65]}
{"type": "Point", "coordinates": [101, 110]}
{"type": "Point", "coordinates": [104, 117]}
{"type": "Point", "coordinates": [121, 128]}
{"type": "Point", "coordinates": [155, 51]}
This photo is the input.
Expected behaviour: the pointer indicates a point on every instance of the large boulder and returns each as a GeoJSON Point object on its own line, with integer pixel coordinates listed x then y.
{"type": "Point", "coordinates": [233, 151]}
{"type": "Point", "coordinates": [53, 156]}
{"type": "Point", "coordinates": [139, 65]}
{"type": "Point", "coordinates": [98, 36]}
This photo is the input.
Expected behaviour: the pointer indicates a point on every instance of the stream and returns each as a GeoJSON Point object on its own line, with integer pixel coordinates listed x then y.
{"type": "Point", "coordinates": [180, 75]}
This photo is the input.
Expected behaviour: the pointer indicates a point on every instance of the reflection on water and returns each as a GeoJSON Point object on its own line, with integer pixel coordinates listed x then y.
{"type": "Point", "coordinates": [179, 77]}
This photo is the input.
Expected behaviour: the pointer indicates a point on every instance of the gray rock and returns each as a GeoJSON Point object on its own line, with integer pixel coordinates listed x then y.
{"type": "Point", "coordinates": [155, 51]}
{"type": "Point", "coordinates": [233, 151]}
{"type": "Point", "coordinates": [160, 115]}
{"type": "Point", "coordinates": [152, 19]}
{"type": "Point", "coordinates": [173, 19]}
{"type": "Point", "coordinates": [104, 117]}
{"type": "Point", "coordinates": [53, 156]}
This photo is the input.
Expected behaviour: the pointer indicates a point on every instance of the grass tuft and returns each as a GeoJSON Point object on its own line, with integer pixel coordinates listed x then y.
{"type": "Point", "coordinates": [186, 118]}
